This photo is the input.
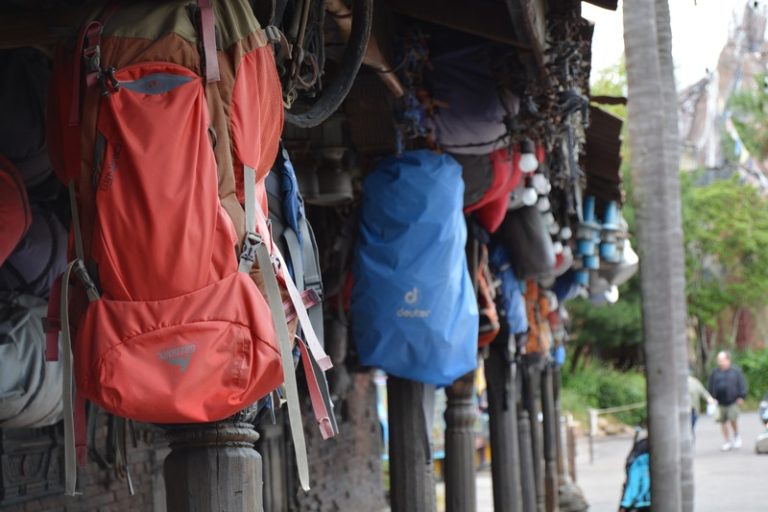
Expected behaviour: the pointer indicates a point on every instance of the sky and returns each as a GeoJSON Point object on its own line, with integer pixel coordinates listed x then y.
{"type": "Point", "coordinates": [699, 31]}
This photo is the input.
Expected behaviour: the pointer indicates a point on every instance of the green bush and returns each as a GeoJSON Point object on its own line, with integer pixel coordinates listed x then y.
{"type": "Point", "coordinates": [754, 363]}
{"type": "Point", "coordinates": [602, 387]}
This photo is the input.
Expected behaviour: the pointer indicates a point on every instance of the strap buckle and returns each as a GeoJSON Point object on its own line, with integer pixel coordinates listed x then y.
{"type": "Point", "coordinates": [248, 253]}
{"type": "Point", "coordinates": [90, 287]}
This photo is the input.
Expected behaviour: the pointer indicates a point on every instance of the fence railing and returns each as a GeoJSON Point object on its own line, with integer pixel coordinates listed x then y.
{"type": "Point", "coordinates": [594, 415]}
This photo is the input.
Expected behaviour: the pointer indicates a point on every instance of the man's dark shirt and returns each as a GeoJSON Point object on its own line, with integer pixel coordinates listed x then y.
{"type": "Point", "coordinates": [727, 386]}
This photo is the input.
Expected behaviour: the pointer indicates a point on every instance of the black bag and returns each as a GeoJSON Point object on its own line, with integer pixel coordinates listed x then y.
{"type": "Point", "coordinates": [528, 243]}
{"type": "Point", "coordinates": [39, 258]}
{"type": "Point", "coordinates": [24, 76]}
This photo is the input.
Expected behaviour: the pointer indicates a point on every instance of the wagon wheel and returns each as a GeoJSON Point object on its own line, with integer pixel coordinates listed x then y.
{"type": "Point", "coordinates": [308, 101]}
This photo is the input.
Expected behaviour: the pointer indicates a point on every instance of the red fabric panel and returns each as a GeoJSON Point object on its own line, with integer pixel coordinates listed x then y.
{"type": "Point", "coordinates": [15, 213]}
{"type": "Point", "coordinates": [159, 224]}
{"type": "Point", "coordinates": [490, 210]}
{"type": "Point", "coordinates": [195, 358]}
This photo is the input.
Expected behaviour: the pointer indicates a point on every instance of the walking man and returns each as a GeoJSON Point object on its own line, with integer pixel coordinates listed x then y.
{"type": "Point", "coordinates": [727, 385]}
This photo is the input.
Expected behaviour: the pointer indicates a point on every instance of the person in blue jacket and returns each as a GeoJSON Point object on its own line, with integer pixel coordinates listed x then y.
{"type": "Point", "coordinates": [727, 385]}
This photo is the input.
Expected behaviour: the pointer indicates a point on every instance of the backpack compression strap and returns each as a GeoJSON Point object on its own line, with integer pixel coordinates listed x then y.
{"type": "Point", "coordinates": [255, 249]}
{"type": "Point", "coordinates": [75, 434]}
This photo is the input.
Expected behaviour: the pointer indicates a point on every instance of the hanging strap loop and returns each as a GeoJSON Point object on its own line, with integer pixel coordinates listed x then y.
{"type": "Point", "coordinates": [208, 29]}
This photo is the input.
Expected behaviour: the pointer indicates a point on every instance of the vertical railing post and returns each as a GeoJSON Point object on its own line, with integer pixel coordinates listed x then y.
{"type": "Point", "coordinates": [213, 467]}
{"type": "Point", "coordinates": [571, 437]}
{"type": "Point", "coordinates": [460, 473]}
{"type": "Point", "coordinates": [501, 379]}
{"type": "Point", "coordinates": [411, 469]}
{"type": "Point", "coordinates": [592, 434]}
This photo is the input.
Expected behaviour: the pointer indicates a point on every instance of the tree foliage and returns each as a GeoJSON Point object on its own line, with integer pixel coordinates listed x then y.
{"type": "Point", "coordinates": [725, 226]}
{"type": "Point", "coordinates": [726, 237]}
{"type": "Point", "coordinates": [749, 109]}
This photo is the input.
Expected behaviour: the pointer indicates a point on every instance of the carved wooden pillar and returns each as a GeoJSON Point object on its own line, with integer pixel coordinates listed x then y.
{"type": "Point", "coordinates": [550, 431]}
{"type": "Point", "coordinates": [460, 474]}
{"type": "Point", "coordinates": [532, 392]}
{"type": "Point", "coordinates": [273, 448]}
{"type": "Point", "coordinates": [527, 476]}
{"type": "Point", "coordinates": [213, 468]}
{"type": "Point", "coordinates": [500, 375]}
{"type": "Point", "coordinates": [411, 470]}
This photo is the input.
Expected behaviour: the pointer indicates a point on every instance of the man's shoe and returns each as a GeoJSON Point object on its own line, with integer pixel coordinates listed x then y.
{"type": "Point", "coordinates": [737, 442]}
{"type": "Point", "coordinates": [726, 447]}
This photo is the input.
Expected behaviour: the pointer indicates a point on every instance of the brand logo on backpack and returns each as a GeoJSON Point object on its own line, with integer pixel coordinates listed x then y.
{"type": "Point", "coordinates": [411, 298]}
{"type": "Point", "coordinates": [178, 356]}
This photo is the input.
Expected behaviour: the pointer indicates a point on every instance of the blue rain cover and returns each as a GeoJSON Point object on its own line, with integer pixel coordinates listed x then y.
{"type": "Point", "coordinates": [511, 299]}
{"type": "Point", "coordinates": [637, 491]}
{"type": "Point", "coordinates": [414, 312]}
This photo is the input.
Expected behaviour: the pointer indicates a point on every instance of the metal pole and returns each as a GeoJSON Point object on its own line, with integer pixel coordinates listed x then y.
{"type": "Point", "coordinates": [213, 467]}
{"type": "Point", "coordinates": [460, 473]}
{"type": "Point", "coordinates": [549, 443]}
{"type": "Point", "coordinates": [411, 469]}
{"type": "Point", "coordinates": [500, 374]}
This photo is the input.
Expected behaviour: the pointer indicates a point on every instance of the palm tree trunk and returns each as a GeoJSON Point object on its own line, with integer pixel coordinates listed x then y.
{"type": "Point", "coordinates": [675, 247]}
{"type": "Point", "coordinates": [657, 201]}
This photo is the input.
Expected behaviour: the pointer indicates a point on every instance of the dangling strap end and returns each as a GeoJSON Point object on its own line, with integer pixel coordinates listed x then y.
{"type": "Point", "coordinates": [208, 29]}
{"type": "Point", "coordinates": [325, 363]}
{"type": "Point", "coordinates": [326, 429]}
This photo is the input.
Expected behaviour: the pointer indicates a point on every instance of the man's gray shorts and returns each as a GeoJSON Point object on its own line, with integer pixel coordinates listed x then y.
{"type": "Point", "coordinates": [728, 413]}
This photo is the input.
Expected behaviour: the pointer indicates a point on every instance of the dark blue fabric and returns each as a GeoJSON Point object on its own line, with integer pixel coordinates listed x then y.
{"type": "Point", "coordinates": [293, 204]}
{"type": "Point", "coordinates": [414, 312]}
{"type": "Point", "coordinates": [565, 287]}
{"type": "Point", "coordinates": [281, 184]}
{"type": "Point", "coordinates": [510, 299]}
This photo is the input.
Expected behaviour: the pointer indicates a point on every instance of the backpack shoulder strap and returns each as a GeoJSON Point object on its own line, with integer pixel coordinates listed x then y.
{"type": "Point", "coordinates": [255, 249]}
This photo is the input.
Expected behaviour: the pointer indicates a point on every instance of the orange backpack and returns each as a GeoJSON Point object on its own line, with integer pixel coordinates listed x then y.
{"type": "Point", "coordinates": [155, 115]}
{"type": "Point", "coordinates": [486, 304]}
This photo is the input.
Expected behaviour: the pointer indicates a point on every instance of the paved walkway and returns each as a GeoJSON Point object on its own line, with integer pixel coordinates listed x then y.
{"type": "Point", "coordinates": [725, 482]}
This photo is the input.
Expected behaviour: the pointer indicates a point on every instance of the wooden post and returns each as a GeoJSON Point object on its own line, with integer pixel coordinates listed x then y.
{"type": "Point", "coordinates": [411, 470]}
{"type": "Point", "coordinates": [527, 477]}
{"type": "Point", "coordinates": [532, 388]}
{"type": "Point", "coordinates": [571, 440]}
{"type": "Point", "coordinates": [562, 470]}
{"type": "Point", "coordinates": [274, 450]}
{"type": "Point", "coordinates": [213, 467]}
{"type": "Point", "coordinates": [500, 375]}
{"type": "Point", "coordinates": [549, 443]}
{"type": "Point", "coordinates": [460, 473]}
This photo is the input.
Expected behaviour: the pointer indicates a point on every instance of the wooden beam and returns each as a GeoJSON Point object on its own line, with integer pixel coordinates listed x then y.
{"type": "Point", "coordinates": [42, 28]}
{"type": "Point", "coordinates": [529, 19]}
{"type": "Point", "coordinates": [484, 19]}
{"type": "Point", "coordinates": [605, 4]}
